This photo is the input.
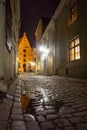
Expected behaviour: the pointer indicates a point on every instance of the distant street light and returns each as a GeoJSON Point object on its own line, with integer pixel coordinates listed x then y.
{"type": "Point", "coordinates": [17, 58]}
{"type": "Point", "coordinates": [44, 49]}
{"type": "Point", "coordinates": [41, 48]}
{"type": "Point", "coordinates": [32, 63]}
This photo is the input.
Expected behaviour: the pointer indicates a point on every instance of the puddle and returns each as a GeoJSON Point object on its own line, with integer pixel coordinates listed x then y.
{"type": "Point", "coordinates": [41, 105]}
{"type": "Point", "coordinates": [40, 100]}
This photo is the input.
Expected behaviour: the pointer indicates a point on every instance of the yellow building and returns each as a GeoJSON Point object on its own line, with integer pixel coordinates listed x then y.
{"type": "Point", "coordinates": [25, 54]}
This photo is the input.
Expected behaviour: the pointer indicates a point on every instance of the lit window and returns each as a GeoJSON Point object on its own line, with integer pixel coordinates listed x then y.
{"type": "Point", "coordinates": [73, 13]}
{"type": "Point", "coordinates": [74, 49]}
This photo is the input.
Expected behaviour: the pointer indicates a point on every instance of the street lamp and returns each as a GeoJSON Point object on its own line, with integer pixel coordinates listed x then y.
{"type": "Point", "coordinates": [43, 58]}
{"type": "Point", "coordinates": [43, 49]}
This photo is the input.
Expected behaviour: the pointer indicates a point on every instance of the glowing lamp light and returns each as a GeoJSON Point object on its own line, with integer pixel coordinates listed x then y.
{"type": "Point", "coordinates": [32, 63]}
{"type": "Point", "coordinates": [41, 48]}
{"type": "Point", "coordinates": [17, 58]}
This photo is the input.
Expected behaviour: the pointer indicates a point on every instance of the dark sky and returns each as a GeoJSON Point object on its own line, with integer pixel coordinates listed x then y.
{"type": "Point", "coordinates": [31, 11]}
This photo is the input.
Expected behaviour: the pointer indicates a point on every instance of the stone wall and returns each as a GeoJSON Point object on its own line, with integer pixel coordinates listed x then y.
{"type": "Point", "coordinates": [64, 33]}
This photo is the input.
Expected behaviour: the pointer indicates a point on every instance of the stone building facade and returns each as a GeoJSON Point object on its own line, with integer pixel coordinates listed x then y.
{"type": "Point", "coordinates": [71, 47]}
{"type": "Point", "coordinates": [10, 17]}
{"type": "Point", "coordinates": [42, 24]}
{"type": "Point", "coordinates": [66, 32]}
{"type": "Point", "coordinates": [47, 52]}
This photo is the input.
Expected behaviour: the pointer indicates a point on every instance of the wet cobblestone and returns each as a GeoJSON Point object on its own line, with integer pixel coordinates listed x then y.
{"type": "Point", "coordinates": [56, 103]}
{"type": "Point", "coordinates": [64, 104]}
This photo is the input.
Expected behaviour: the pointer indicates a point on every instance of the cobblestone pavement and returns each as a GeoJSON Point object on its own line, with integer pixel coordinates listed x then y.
{"type": "Point", "coordinates": [56, 103]}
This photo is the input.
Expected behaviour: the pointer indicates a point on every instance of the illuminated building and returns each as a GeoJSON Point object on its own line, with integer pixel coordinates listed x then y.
{"type": "Point", "coordinates": [25, 54]}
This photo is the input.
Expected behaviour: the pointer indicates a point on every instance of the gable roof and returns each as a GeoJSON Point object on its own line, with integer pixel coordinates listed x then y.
{"type": "Point", "coordinates": [23, 39]}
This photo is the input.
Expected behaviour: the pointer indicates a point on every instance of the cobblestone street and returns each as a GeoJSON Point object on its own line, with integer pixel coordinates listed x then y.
{"type": "Point", "coordinates": [56, 103]}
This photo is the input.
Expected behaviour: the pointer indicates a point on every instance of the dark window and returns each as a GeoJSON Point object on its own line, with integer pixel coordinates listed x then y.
{"type": "Point", "coordinates": [24, 55]}
{"type": "Point", "coordinates": [24, 60]}
{"type": "Point", "coordinates": [24, 50]}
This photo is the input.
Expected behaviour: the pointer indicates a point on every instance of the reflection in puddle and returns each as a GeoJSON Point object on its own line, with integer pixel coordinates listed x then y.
{"type": "Point", "coordinates": [40, 100]}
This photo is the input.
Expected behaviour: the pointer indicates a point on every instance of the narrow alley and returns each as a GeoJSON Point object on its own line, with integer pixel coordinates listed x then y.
{"type": "Point", "coordinates": [43, 65]}
{"type": "Point", "coordinates": [56, 103]}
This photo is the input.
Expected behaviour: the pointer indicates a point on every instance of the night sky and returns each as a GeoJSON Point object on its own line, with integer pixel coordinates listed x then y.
{"type": "Point", "coordinates": [31, 11]}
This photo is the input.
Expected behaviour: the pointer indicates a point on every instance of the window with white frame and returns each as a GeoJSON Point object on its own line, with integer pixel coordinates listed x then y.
{"type": "Point", "coordinates": [74, 49]}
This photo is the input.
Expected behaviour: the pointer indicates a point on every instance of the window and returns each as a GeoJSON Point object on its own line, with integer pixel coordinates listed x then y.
{"type": "Point", "coordinates": [24, 55]}
{"type": "Point", "coordinates": [74, 49]}
{"type": "Point", "coordinates": [24, 50]}
{"type": "Point", "coordinates": [73, 13]}
{"type": "Point", "coordinates": [24, 60]}
{"type": "Point", "coordinates": [18, 65]}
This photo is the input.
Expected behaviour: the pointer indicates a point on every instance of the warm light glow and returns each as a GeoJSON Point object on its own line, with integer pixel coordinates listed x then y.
{"type": "Point", "coordinates": [25, 54]}
{"type": "Point", "coordinates": [73, 13]}
{"type": "Point", "coordinates": [17, 58]}
{"type": "Point", "coordinates": [32, 63]}
{"type": "Point", "coordinates": [74, 51]}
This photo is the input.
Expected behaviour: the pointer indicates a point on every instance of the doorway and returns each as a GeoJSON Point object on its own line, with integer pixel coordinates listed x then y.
{"type": "Point", "coordinates": [24, 67]}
